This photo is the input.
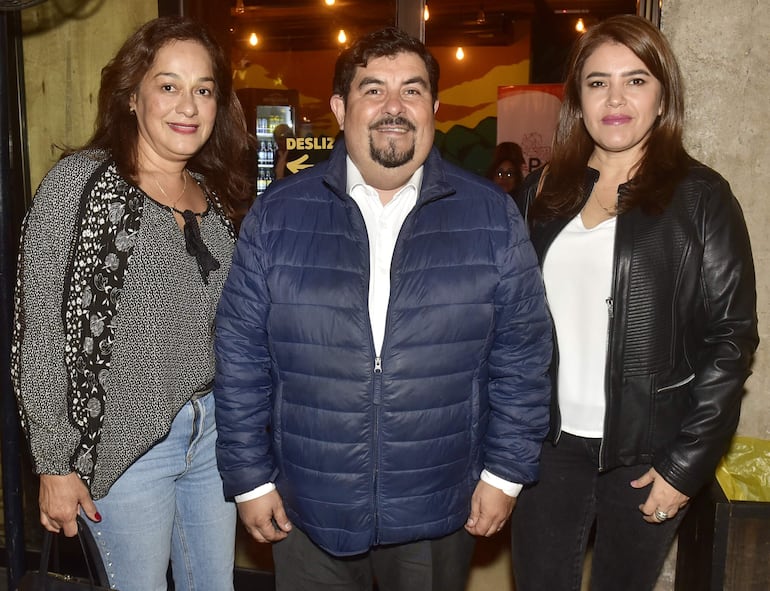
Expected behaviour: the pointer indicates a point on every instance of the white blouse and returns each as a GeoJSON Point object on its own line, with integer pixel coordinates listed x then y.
{"type": "Point", "coordinates": [578, 279]}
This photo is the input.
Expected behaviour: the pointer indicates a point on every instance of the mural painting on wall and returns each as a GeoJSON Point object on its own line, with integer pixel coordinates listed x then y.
{"type": "Point", "coordinates": [467, 125]}
{"type": "Point", "coordinates": [466, 122]}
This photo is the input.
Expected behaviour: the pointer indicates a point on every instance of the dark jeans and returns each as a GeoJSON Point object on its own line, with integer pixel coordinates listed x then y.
{"type": "Point", "coordinates": [553, 521]}
{"type": "Point", "coordinates": [428, 565]}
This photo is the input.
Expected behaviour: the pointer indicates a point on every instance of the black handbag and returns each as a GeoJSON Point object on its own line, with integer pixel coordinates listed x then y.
{"type": "Point", "coordinates": [46, 580]}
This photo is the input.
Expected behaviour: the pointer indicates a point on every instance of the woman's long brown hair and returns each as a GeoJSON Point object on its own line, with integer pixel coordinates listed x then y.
{"type": "Point", "coordinates": [665, 159]}
{"type": "Point", "coordinates": [226, 160]}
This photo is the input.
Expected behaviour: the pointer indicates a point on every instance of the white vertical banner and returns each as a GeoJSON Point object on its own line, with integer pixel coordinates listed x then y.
{"type": "Point", "coordinates": [527, 115]}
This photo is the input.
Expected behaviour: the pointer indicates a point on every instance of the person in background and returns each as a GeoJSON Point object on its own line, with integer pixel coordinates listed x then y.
{"type": "Point", "coordinates": [650, 281]}
{"type": "Point", "coordinates": [507, 167]}
{"type": "Point", "coordinates": [382, 348]}
{"type": "Point", "coordinates": [124, 253]}
{"type": "Point", "coordinates": [280, 134]}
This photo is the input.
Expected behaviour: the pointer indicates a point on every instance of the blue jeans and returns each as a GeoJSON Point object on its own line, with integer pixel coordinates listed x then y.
{"type": "Point", "coordinates": [553, 521]}
{"type": "Point", "coordinates": [169, 505]}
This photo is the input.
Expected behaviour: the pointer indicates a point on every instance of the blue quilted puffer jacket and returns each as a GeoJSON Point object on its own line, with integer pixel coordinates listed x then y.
{"type": "Point", "coordinates": [367, 451]}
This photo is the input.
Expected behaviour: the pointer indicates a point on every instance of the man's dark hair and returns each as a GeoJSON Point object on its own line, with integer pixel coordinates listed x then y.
{"type": "Point", "coordinates": [386, 42]}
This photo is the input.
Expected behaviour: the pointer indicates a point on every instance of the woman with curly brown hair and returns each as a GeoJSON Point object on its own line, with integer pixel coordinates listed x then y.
{"type": "Point", "coordinates": [124, 253]}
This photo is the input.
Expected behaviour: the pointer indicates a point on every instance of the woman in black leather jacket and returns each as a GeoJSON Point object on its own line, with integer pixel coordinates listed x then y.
{"type": "Point", "coordinates": [650, 280]}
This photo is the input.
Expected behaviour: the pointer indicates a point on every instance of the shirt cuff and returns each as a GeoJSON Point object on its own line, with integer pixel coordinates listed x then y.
{"type": "Point", "coordinates": [512, 489]}
{"type": "Point", "coordinates": [260, 491]}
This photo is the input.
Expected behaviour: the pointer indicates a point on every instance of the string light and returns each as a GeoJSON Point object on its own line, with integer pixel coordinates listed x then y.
{"type": "Point", "coordinates": [460, 54]}
{"type": "Point", "coordinates": [580, 26]}
{"type": "Point", "coordinates": [425, 13]}
{"type": "Point", "coordinates": [341, 36]}
{"type": "Point", "coordinates": [253, 40]}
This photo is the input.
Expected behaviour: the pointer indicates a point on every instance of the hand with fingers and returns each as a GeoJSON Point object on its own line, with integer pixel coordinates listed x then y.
{"type": "Point", "coordinates": [264, 518]}
{"type": "Point", "coordinates": [490, 509]}
{"type": "Point", "coordinates": [663, 502]}
{"type": "Point", "coordinates": [61, 499]}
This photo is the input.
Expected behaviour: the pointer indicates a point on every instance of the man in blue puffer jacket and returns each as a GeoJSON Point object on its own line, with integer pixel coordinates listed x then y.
{"type": "Point", "coordinates": [382, 348]}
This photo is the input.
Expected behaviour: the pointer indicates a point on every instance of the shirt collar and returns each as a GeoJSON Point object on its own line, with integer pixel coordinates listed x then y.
{"type": "Point", "coordinates": [354, 179]}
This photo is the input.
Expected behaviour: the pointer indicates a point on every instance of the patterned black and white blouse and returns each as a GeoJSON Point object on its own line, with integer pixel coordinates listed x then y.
{"type": "Point", "coordinates": [113, 331]}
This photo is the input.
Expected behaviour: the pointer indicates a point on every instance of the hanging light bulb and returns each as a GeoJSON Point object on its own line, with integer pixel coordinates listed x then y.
{"type": "Point", "coordinates": [425, 13]}
{"type": "Point", "coordinates": [341, 36]}
{"type": "Point", "coordinates": [580, 26]}
{"type": "Point", "coordinates": [253, 39]}
{"type": "Point", "coordinates": [460, 54]}
{"type": "Point", "coordinates": [329, 2]}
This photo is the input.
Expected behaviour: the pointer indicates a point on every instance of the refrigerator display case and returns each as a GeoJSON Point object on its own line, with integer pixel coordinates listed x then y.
{"type": "Point", "coordinates": [265, 109]}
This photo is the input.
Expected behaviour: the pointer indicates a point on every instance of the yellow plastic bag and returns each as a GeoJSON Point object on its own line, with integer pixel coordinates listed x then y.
{"type": "Point", "coordinates": [744, 472]}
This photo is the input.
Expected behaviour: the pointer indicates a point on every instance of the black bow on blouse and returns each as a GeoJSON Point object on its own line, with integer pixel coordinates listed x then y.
{"type": "Point", "coordinates": [196, 247]}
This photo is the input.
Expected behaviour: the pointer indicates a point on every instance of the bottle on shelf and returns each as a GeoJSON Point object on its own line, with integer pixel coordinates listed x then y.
{"type": "Point", "coordinates": [261, 155]}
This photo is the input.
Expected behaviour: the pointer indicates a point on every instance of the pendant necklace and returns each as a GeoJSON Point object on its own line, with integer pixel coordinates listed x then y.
{"type": "Point", "coordinates": [184, 188]}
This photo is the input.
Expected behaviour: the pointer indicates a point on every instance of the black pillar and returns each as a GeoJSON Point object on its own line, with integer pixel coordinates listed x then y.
{"type": "Point", "coordinates": [12, 165]}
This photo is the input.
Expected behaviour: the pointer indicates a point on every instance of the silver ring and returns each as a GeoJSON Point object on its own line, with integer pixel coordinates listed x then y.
{"type": "Point", "coordinates": [660, 515]}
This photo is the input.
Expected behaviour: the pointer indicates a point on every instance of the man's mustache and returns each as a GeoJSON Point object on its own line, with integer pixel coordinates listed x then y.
{"type": "Point", "coordinates": [393, 122]}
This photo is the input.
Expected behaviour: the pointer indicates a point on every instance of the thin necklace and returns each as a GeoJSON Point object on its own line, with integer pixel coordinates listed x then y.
{"type": "Point", "coordinates": [610, 210]}
{"type": "Point", "coordinates": [184, 188]}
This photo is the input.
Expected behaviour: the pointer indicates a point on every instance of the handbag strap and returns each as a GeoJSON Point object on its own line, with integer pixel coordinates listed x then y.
{"type": "Point", "coordinates": [81, 528]}
{"type": "Point", "coordinates": [45, 550]}
{"type": "Point", "coordinates": [90, 555]}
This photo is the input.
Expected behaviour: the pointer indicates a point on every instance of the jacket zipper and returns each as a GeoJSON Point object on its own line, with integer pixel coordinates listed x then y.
{"type": "Point", "coordinates": [680, 383]}
{"type": "Point", "coordinates": [377, 369]}
{"type": "Point", "coordinates": [377, 398]}
{"type": "Point", "coordinates": [376, 381]}
{"type": "Point", "coordinates": [610, 316]}
{"type": "Point", "coordinates": [610, 301]}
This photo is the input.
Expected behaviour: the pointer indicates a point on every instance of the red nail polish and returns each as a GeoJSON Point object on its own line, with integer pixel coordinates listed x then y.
{"type": "Point", "coordinates": [97, 517]}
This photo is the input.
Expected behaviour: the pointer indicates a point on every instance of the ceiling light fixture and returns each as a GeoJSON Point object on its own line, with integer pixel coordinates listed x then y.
{"type": "Point", "coordinates": [329, 2]}
{"type": "Point", "coordinates": [580, 26]}
{"type": "Point", "coordinates": [460, 54]}
{"type": "Point", "coordinates": [425, 13]}
{"type": "Point", "coordinates": [481, 17]}
{"type": "Point", "coordinates": [253, 40]}
{"type": "Point", "coordinates": [342, 37]}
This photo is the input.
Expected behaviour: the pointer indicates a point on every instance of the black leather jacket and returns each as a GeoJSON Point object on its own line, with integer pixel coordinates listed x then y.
{"type": "Point", "coordinates": [682, 330]}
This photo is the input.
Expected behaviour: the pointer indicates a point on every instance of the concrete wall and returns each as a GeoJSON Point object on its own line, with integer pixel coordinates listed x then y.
{"type": "Point", "coordinates": [66, 44]}
{"type": "Point", "coordinates": [722, 49]}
